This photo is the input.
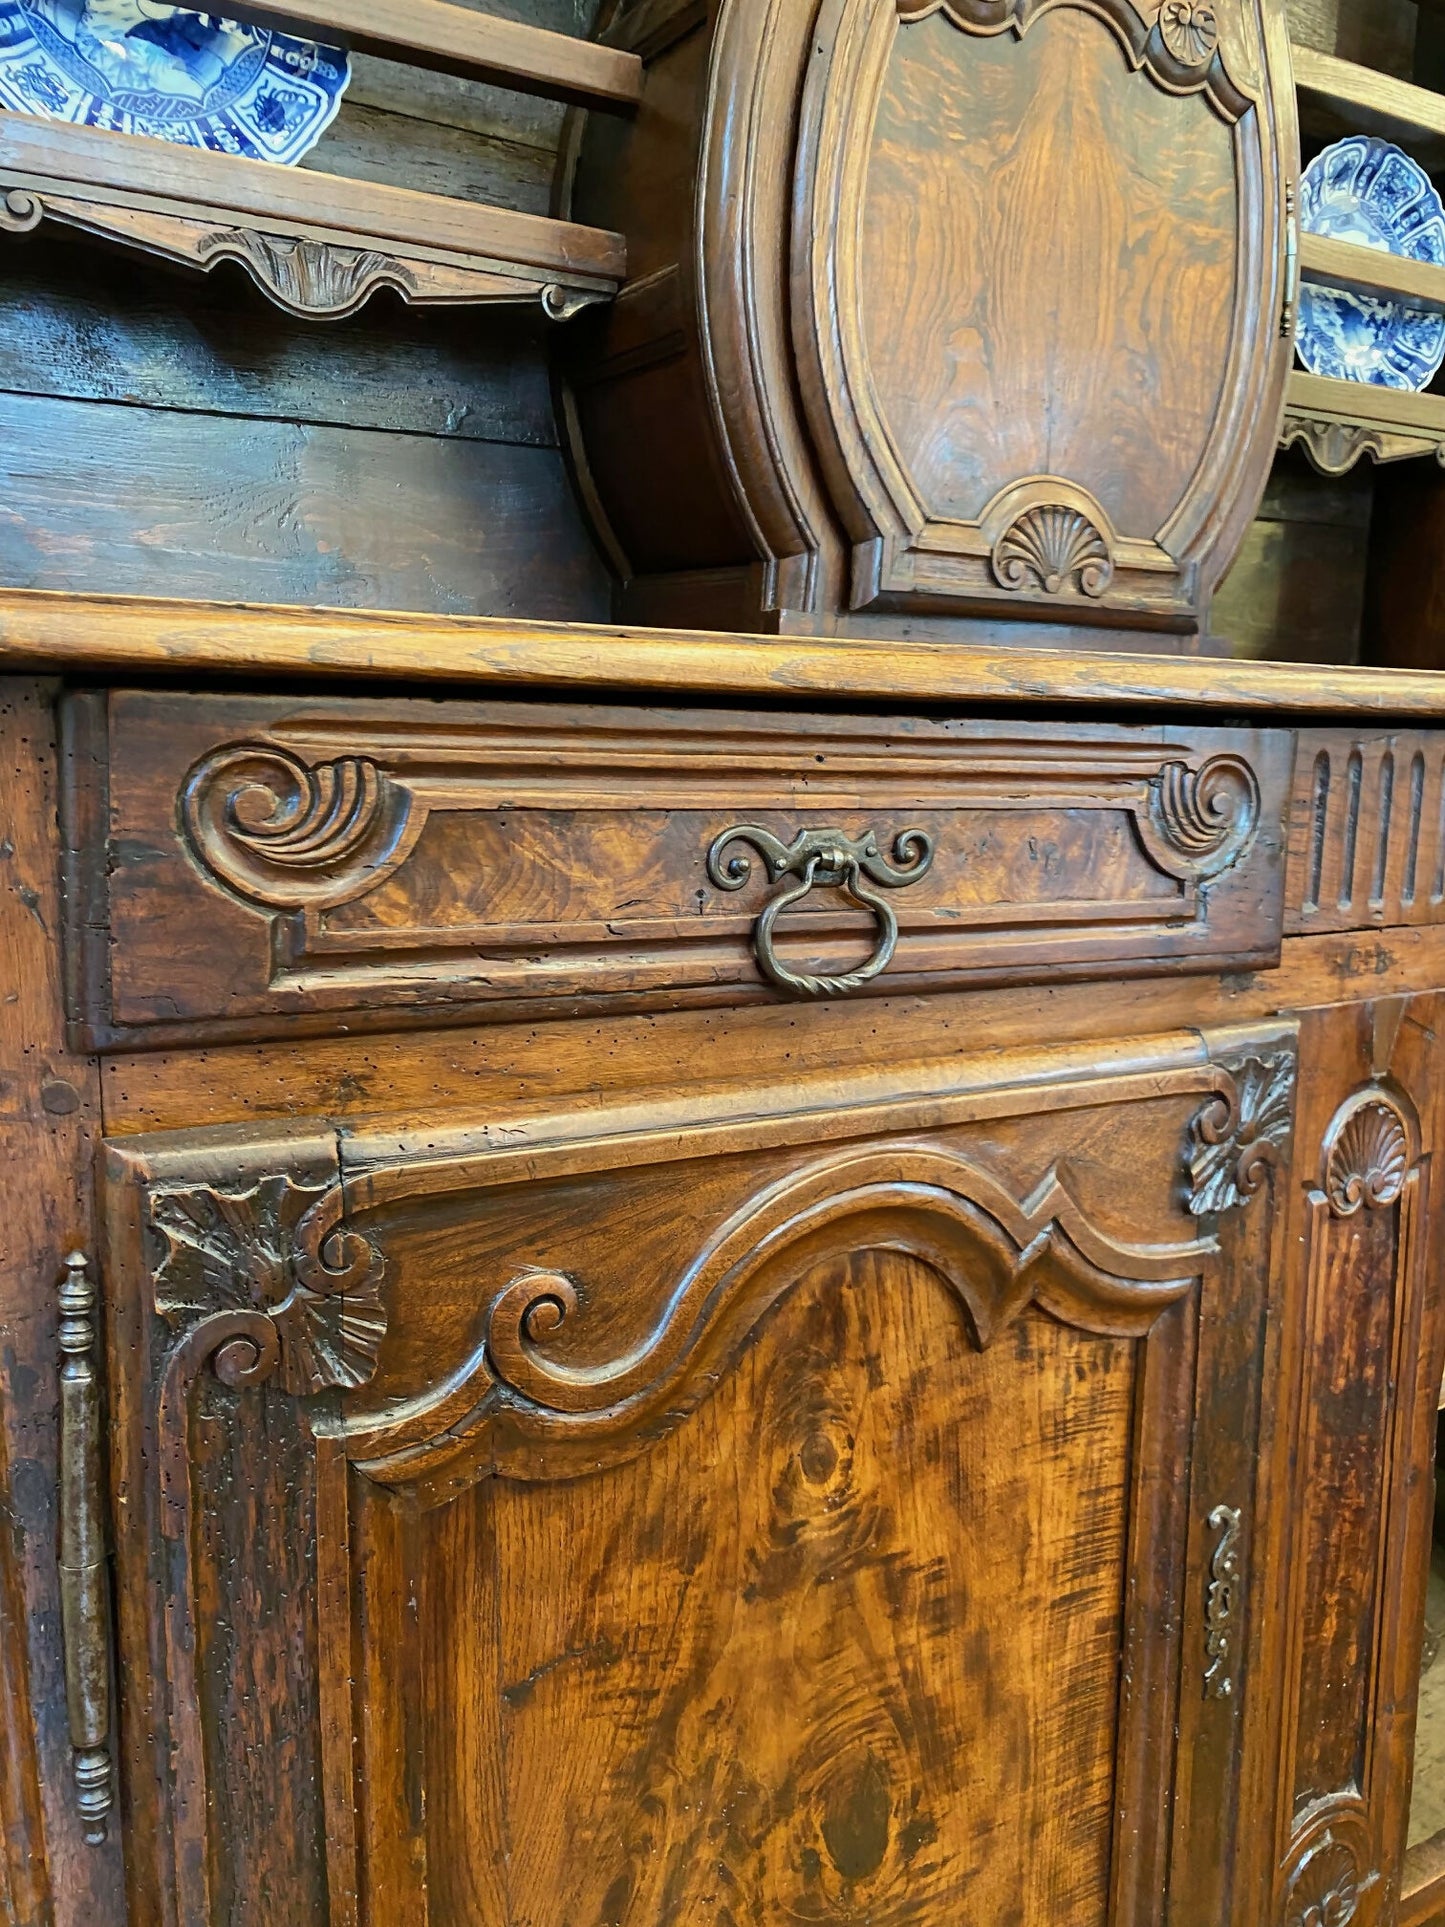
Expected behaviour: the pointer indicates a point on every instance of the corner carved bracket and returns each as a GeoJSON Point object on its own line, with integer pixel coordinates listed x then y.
{"type": "Point", "coordinates": [268, 1282]}
{"type": "Point", "coordinates": [1240, 1135]}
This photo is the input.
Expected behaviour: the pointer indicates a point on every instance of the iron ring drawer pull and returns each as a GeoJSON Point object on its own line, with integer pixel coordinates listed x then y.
{"type": "Point", "coordinates": [822, 860]}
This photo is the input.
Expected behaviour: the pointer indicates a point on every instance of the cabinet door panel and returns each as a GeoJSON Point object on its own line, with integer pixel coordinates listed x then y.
{"type": "Point", "coordinates": [1363, 1343]}
{"type": "Point", "coordinates": [778, 1502]}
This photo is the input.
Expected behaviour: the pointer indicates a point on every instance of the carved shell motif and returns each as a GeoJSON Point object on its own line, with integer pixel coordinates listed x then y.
{"type": "Point", "coordinates": [1190, 31]}
{"type": "Point", "coordinates": [1368, 1160]}
{"type": "Point", "coordinates": [1053, 548]}
{"type": "Point", "coordinates": [1325, 1892]}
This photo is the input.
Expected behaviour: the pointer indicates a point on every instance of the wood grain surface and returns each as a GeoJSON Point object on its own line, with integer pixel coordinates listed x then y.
{"type": "Point", "coordinates": [148, 499]}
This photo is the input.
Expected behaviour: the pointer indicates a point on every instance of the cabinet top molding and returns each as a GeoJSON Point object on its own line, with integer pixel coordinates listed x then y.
{"type": "Point", "coordinates": [143, 635]}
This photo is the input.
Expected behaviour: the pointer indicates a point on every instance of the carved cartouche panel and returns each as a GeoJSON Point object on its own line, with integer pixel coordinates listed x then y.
{"type": "Point", "coordinates": [981, 302]}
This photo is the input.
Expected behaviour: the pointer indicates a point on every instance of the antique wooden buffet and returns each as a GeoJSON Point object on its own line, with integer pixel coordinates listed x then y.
{"type": "Point", "coordinates": [778, 1261]}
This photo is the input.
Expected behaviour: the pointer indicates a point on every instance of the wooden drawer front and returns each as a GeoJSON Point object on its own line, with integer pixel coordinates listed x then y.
{"type": "Point", "coordinates": [270, 858]}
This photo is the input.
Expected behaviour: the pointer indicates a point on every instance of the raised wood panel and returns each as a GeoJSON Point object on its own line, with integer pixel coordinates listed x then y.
{"type": "Point", "coordinates": [759, 1656]}
{"type": "Point", "coordinates": [1367, 831]}
{"type": "Point", "coordinates": [561, 1519]}
{"type": "Point", "coordinates": [1014, 167]}
{"type": "Point", "coordinates": [489, 854]}
{"type": "Point", "coordinates": [1362, 1357]}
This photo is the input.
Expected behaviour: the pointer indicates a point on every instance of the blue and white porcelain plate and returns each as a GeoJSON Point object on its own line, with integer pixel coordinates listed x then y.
{"type": "Point", "coordinates": [1366, 191]}
{"type": "Point", "coordinates": [195, 78]}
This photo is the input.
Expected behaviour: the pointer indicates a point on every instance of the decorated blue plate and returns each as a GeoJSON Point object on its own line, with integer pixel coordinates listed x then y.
{"type": "Point", "coordinates": [1366, 191]}
{"type": "Point", "coordinates": [196, 78]}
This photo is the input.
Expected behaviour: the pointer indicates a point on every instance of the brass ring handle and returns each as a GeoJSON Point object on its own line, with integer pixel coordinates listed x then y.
{"type": "Point", "coordinates": [822, 859]}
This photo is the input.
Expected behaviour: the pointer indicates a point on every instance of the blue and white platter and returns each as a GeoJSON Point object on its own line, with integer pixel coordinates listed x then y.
{"type": "Point", "coordinates": [1366, 191]}
{"type": "Point", "coordinates": [195, 78]}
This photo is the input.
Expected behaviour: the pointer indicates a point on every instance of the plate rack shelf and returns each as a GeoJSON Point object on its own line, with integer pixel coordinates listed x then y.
{"type": "Point", "coordinates": [319, 244]}
{"type": "Point", "coordinates": [1339, 423]}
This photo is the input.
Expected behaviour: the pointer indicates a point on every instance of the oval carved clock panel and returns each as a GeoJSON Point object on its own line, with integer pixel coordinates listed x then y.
{"type": "Point", "coordinates": [978, 309]}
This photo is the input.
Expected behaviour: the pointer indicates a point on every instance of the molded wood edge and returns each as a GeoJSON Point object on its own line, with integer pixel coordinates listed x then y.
{"type": "Point", "coordinates": [142, 635]}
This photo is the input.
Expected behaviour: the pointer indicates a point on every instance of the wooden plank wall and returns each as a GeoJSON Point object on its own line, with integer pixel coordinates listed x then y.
{"type": "Point", "coordinates": [168, 432]}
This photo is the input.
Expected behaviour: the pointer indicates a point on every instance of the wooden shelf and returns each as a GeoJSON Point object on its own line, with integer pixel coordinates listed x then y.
{"type": "Point", "coordinates": [1338, 423]}
{"type": "Point", "coordinates": [318, 244]}
{"type": "Point", "coordinates": [457, 40]}
{"type": "Point", "coordinates": [1362, 270]}
{"type": "Point", "coordinates": [1370, 102]}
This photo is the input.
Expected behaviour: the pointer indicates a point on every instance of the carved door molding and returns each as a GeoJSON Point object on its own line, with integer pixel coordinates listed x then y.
{"type": "Point", "coordinates": [295, 1398]}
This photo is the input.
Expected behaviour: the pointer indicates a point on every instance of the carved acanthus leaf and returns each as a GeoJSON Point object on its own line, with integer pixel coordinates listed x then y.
{"type": "Point", "coordinates": [287, 834]}
{"type": "Point", "coordinates": [1367, 1158]}
{"type": "Point", "coordinates": [1239, 1135]}
{"type": "Point", "coordinates": [1200, 822]}
{"type": "Point", "coordinates": [1054, 548]}
{"type": "Point", "coordinates": [274, 1253]}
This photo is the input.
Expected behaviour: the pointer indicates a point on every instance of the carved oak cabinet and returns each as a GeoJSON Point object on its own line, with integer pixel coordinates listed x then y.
{"type": "Point", "coordinates": [714, 1308]}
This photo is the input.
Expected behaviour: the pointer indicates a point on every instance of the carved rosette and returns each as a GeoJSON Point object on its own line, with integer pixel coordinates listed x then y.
{"type": "Point", "coordinates": [1367, 1158]}
{"type": "Point", "coordinates": [287, 834]}
{"type": "Point", "coordinates": [1190, 32]}
{"type": "Point", "coordinates": [1239, 1135]}
{"type": "Point", "coordinates": [1200, 822]}
{"type": "Point", "coordinates": [1325, 1888]}
{"type": "Point", "coordinates": [1053, 548]}
{"type": "Point", "coordinates": [271, 1282]}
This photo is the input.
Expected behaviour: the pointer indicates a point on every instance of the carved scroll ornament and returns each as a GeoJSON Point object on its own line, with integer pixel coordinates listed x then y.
{"type": "Point", "coordinates": [1238, 1137]}
{"type": "Point", "coordinates": [1201, 821]}
{"type": "Point", "coordinates": [286, 834]}
{"type": "Point", "coordinates": [538, 1394]}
